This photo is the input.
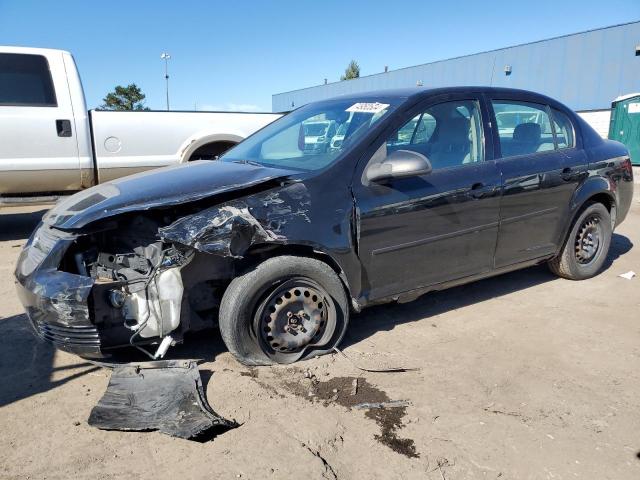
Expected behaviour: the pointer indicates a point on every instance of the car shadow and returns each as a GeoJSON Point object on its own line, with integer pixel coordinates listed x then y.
{"type": "Point", "coordinates": [16, 225]}
{"type": "Point", "coordinates": [26, 363]}
{"type": "Point", "coordinates": [386, 317]}
{"type": "Point", "coordinates": [619, 246]}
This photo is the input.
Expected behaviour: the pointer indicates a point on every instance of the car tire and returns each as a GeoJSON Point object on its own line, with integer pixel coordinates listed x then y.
{"type": "Point", "coordinates": [285, 309]}
{"type": "Point", "coordinates": [587, 245]}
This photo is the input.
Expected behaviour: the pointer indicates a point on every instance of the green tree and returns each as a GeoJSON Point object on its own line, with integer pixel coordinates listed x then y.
{"type": "Point", "coordinates": [352, 71]}
{"type": "Point", "coordinates": [124, 98]}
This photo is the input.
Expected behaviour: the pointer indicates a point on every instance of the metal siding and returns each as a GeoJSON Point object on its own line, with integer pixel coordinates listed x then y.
{"type": "Point", "coordinates": [586, 71]}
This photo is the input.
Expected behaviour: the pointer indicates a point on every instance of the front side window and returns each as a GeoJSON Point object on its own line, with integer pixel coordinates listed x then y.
{"type": "Point", "coordinates": [314, 136]}
{"type": "Point", "coordinates": [523, 128]}
{"type": "Point", "coordinates": [416, 131]}
{"type": "Point", "coordinates": [449, 134]}
{"type": "Point", "coordinates": [564, 129]}
{"type": "Point", "coordinates": [25, 80]}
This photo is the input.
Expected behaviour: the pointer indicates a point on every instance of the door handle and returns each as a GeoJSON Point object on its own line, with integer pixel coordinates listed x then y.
{"type": "Point", "coordinates": [479, 190]}
{"type": "Point", "coordinates": [567, 173]}
{"type": "Point", "coordinates": [63, 127]}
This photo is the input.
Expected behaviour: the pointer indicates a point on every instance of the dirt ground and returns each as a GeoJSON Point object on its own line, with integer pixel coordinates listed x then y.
{"type": "Point", "coordinates": [523, 376]}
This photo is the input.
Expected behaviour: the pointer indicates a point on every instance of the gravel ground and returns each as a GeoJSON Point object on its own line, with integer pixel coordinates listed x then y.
{"type": "Point", "coordinates": [520, 376]}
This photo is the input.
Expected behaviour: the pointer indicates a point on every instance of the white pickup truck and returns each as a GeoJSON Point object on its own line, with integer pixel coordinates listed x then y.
{"type": "Point", "coordinates": [51, 145]}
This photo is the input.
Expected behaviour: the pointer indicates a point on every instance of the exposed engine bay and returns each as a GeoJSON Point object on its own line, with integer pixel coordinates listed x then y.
{"type": "Point", "coordinates": [139, 284]}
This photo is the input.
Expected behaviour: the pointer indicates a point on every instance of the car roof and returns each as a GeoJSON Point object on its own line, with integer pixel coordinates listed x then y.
{"type": "Point", "coordinates": [418, 93]}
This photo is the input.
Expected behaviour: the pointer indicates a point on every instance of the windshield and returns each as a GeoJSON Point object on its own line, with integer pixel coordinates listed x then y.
{"type": "Point", "coordinates": [302, 140]}
{"type": "Point", "coordinates": [316, 129]}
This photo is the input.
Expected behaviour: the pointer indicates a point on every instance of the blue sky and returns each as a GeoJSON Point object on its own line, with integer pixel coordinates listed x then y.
{"type": "Point", "coordinates": [236, 54]}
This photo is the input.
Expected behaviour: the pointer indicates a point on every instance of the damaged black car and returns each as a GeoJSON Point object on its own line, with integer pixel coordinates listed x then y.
{"type": "Point", "coordinates": [276, 242]}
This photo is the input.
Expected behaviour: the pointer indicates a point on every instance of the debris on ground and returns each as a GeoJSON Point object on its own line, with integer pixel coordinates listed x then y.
{"type": "Point", "coordinates": [391, 404]}
{"type": "Point", "coordinates": [162, 395]}
{"type": "Point", "coordinates": [375, 370]}
{"type": "Point", "coordinates": [628, 275]}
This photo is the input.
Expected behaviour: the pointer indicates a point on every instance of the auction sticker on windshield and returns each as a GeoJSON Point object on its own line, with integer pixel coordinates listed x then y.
{"type": "Point", "coordinates": [367, 107]}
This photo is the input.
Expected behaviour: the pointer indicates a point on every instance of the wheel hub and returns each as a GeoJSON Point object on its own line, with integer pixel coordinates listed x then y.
{"type": "Point", "coordinates": [294, 316]}
{"type": "Point", "coordinates": [588, 240]}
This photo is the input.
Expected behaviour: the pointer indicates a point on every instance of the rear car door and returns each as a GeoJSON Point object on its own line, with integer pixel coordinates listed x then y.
{"type": "Point", "coordinates": [38, 151]}
{"type": "Point", "coordinates": [541, 169]}
{"type": "Point", "coordinates": [423, 230]}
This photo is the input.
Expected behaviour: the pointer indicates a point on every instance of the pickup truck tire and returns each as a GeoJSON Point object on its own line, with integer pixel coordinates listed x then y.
{"type": "Point", "coordinates": [285, 309]}
{"type": "Point", "coordinates": [587, 245]}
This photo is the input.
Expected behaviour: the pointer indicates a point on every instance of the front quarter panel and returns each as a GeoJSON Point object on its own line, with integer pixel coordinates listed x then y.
{"type": "Point", "coordinates": [315, 213]}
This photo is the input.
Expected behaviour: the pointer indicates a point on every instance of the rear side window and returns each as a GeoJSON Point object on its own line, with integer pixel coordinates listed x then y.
{"type": "Point", "coordinates": [564, 129]}
{"type": "Point", "coordinates": [25, 80]}
{"type": "Point", "coordinates": [523, 128]}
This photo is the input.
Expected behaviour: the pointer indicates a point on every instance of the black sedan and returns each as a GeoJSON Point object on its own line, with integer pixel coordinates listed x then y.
{"type": "Point", "coordinates": [276, 243]}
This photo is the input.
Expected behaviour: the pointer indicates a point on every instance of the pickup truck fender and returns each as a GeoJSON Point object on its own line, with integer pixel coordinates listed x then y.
{"type": "Point", "coordinates": [205, 137]}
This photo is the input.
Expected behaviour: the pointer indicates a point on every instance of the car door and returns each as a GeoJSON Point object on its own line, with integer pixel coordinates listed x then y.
{"type": "Point", "coordinates": [39, 151]}
{"type": "Point", "coordinates": [423, 230]}
{"type": "Point", "coordinates": [540, 172]}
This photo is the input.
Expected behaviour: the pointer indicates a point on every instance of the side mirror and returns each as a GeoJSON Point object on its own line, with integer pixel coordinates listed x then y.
{"type": "Point", "coordinates": [399, 164]}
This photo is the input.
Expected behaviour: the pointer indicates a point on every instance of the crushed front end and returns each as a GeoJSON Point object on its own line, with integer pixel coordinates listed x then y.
{"type": "Point", "coordinates": [88, 292]}
{"type": "Point", "coordinates": [56, 301]}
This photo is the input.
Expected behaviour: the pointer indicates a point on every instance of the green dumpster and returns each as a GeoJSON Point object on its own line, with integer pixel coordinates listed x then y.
{"type": "Point", "coordinates": [625, 124]}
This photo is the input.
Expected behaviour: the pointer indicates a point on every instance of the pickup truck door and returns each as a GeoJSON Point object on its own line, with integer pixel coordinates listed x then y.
{"type": "Point", "coordinates": [423, 230]}
{"type": "Point", "coordinates": [540, 172]}
{"type": "Point", "coordinates": [38, 147]}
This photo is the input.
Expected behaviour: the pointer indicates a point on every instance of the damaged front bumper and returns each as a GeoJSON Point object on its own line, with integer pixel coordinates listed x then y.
{"type": "Point", "coordinates": [56, 302]}
{"type": "Point", "coordinates": [90, 309]}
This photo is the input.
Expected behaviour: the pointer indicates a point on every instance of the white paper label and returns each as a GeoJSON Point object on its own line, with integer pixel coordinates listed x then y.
{"type": "Point", "coordinates": [634, 107]}
{"type": "Point", "coordinates": [367, 107]}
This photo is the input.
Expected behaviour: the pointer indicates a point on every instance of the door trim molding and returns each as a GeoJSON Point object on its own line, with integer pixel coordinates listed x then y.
{"type": "Point", "coordinates": [435, 238]}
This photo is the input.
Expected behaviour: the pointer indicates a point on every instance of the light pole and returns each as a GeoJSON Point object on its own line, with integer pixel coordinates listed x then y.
{"type": "Point", "coordinates": [165, 56]}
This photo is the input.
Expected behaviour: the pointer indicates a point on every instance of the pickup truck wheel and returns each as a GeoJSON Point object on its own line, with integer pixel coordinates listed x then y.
{"type": "Point", "coordinates": [284, 310]}
{"type": "Point", "coordinates": [587, 245]}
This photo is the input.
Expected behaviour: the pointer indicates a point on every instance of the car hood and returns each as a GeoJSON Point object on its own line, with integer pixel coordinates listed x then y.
{"type": "Point", "coordinates": [158, 188]}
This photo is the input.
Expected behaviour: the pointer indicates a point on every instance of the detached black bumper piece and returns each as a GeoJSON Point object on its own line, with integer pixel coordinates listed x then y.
{"type": "Point", "coordinates": [164, 395]}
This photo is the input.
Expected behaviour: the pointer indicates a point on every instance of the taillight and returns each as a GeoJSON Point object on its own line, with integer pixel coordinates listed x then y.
{"type": "Point", "coordinates": [628, 169]}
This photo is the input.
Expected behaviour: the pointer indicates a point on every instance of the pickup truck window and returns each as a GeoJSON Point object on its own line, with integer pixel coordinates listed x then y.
{"type": "Point", "coordinates": [25, 80]}
{"type": "Point", "coordinates": [314, 136]}
{"type": "Point", "coordinates": [523, 128]}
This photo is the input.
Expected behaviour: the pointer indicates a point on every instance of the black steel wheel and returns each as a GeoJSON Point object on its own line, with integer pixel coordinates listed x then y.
{"type": "Point", "coordinates": [588, 240]}
{"type": "Point", "coordinates": [297, 315]}
{"type": "Point", "coordinates": [587, 245]}
{"type": "Point", "coordinates": [285, 309]}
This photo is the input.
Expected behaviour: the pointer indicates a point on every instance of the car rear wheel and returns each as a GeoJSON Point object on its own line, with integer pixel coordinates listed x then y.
{"type": "Point", "coordinates": [587, 245]}
{"type": "Point", "coordinates": [284, 310]}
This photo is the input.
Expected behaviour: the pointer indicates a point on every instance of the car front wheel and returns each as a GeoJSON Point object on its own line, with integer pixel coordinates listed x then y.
{"type": "Point", "coordinates": [285, 309]}
{"type": "Point", "coordinates": [586, 248]}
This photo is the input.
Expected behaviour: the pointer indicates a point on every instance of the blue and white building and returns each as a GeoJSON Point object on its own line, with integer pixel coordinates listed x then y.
{"type": "Point", "coordinates": [586, 71]}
